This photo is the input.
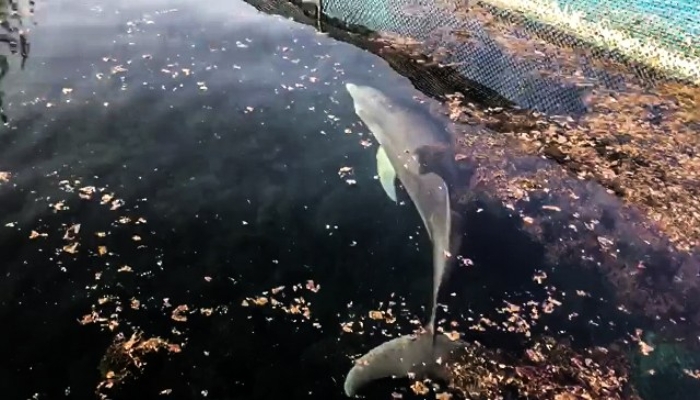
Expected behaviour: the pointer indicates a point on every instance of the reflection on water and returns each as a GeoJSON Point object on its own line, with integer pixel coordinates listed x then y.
{"type": "Point", "coordinates": [14, 35]}
{"type": "Point", "coordinates": [193, 180]}
{"type": "Point", "coordinates": [213, 136]}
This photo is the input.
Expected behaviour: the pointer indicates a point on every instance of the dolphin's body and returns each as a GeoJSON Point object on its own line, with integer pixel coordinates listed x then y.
{"type": "Point", "coordinates": [406, 142]}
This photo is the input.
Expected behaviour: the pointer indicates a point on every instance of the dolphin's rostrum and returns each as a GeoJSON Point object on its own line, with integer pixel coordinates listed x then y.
{"type": "Point", "coordinates": [406, 141]}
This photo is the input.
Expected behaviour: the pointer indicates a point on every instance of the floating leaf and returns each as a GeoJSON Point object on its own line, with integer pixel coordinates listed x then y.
{"type": "Point", "coordinates": [71, 248]}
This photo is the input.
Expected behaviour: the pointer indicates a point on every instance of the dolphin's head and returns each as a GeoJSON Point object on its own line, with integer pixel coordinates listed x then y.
{"type": "Point", "coordinates": [372, 106]}
{"type": "Point", "coordinates": [365, 93]}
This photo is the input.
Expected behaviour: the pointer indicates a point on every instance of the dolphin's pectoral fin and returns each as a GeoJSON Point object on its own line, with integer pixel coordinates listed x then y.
{"type": "Point", "coordinates": [399, 357]}
{"type": "Point", "coordinates": [387, 174]}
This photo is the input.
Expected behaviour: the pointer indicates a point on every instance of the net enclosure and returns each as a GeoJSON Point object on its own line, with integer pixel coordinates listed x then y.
{"type": "Point", "coordinates": [481, 38]}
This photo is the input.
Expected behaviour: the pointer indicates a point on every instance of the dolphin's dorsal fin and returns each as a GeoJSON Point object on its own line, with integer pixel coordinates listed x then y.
{"type": "Point", "coordinates": [438, 159]}
{"type": "Point", "coordinates": [387, 174]}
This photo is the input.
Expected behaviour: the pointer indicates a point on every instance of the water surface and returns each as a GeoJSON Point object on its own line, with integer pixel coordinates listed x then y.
{"type": "Point", "coordinates": [219, 142]}
{"type": "Point", "coordinates": [224, 129]}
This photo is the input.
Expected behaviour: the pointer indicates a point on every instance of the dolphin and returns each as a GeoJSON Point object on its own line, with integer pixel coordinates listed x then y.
{"type": "Point", "coordinates": [408, 144]}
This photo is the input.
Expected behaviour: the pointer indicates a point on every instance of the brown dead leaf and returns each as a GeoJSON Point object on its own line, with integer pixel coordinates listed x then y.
{"type": "Point", "coordinates": [35, 234]}
{"type": "Point", "coordinates": [179, 313]}
{"type": "Point", "coordinates": [174, 348]}
{"type": "Point", "coordinates": [550, 304]}
{"type": "Point", "coordinates": [71, 232]}
{"type": "Point", "coordinates": [106, 198]}
{"type": "Point", "coordinates": [346, 327]}
{"type": "Point", "coordinates": [88, 318]}
{"type": "Point", "coordinates": [86, 192]}
{"type": "Point", "coordinates": [260, 301]}
{"type": "Point", "coordinates": [539, 277]}
{"type": "Point", "coordinates": [551, 208]}
{"type": "Point", "coordinates": [443, 396]}
{"type": "Point", "coordinates": [71, 248]}
{"type": "Point", "coordinates": [376, 315]}
{"type": "Point", "coordinates": [419, 388]}
{"type": "Point", "coordinates": [310, 285]}
{"type": "Point", "coordinates": [277, 289]}
{"type": "Point", "coordinates": [116, 204]}
{"type": "Point", "coordinates": [345, 171]}
{"type": "Point", "coordinates": [692, 373]}
{"type": "Point", "coordinates": [645, 348]}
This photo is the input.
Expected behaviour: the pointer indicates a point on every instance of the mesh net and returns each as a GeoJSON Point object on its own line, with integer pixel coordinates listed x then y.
{"type": "Point", "coordinates": [491, 42]}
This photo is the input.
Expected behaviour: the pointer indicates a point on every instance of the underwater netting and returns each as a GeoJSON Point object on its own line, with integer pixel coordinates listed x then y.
{"type": "Point", "coordinates": [495, 42]}
{"type": "Point", "coordinates": [491, 42]}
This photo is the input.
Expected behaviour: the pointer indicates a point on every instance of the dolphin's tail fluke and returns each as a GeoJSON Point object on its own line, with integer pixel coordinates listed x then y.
{"type": "Point", "coordinates": [426, 355]}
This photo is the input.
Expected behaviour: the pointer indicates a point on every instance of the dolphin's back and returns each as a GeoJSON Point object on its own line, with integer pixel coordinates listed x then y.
{"type": "Point", "coordinates": [430, 194]}
{"type": "Point", "coordinates": [413, 127]}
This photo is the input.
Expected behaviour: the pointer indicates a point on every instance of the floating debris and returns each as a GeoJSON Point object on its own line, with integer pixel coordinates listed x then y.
{"type": "Point", "coordinates": [125, 268]}
{"type": "Point", "coordinates": [125, 358]}
{"type": "Point", "coordinates": [59, 206]}
{"type": "Point", "coordinates": [72, 232]}
{"type": "Point", "coordinates": [71, 248]}
{"type": "Point", "coordinates": [419, 388]}
{"type": "Point", "coordinates": [35, 234]}
{"type": "Point", "coordinates": [179, 314]}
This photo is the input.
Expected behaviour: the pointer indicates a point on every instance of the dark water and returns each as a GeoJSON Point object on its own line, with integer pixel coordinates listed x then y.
{"type": "Point", "coordinates": [224, 130]}
{"type": "Point", "coordinates": [233, 163]}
